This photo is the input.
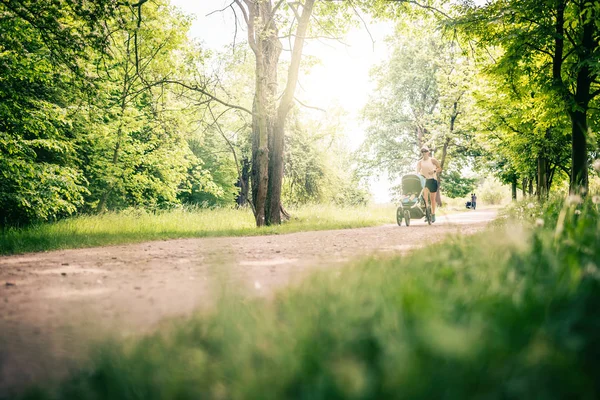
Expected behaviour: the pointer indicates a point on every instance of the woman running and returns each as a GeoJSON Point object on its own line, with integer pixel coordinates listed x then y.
{"type": "Point", "coordinates": [429, 167]}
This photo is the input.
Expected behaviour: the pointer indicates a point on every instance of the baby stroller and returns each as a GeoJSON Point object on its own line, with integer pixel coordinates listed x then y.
{"type": "Point", "coordinates": [412, 203]}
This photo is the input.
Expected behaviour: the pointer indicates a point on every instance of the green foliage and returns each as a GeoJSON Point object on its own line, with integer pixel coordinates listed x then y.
{"type": "Point", "coordinates": [135, 149]}
{"type": "Point", "coordinates": [423, 97]}
{"type": "Point", "coordinates": [212, 175]}
{"type": "Point", "coordinates": [456, 186]}
{"type": "Point", "coordinates": [517, 126]}
{"type": "Point", "coordinates": [544, 57]}
{"type": "Point", "coordinates": [38, 176]}
{"type": "Point", "coordinates": [509, 313]}
{"type": "Point", "coordinates": [491, 192]}
{"type": "Point", "coordinates": [86, 120]}
{"type": "Point", "coordinates": [318, 168]}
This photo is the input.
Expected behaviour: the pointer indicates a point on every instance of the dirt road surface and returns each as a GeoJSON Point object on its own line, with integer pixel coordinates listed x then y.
{"type": "Point", "coordinates": [54, 305]}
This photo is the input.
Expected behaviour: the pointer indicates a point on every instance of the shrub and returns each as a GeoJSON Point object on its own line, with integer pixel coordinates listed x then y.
{"type": "Point", "coordinates": [491, 192]}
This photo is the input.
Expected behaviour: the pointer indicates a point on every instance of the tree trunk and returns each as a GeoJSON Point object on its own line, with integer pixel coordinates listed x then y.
{"type": "Point", "coordinates": [262, 37]}
{"type": "Point", "coordinates": [514, 189]}
{"type": "Point", "coordinates": [260, 156]}
{"type": "Point", "coordinates": [420, 135]}
{"type": "Point", "coordinates": [542, 178]}
{"type": "Point", "coordinates": [243, 183]}
{"type": "Point", "coordinates": [278, 133]}
{"type": "Point", "coordinates": [524, 187]}
{"type": "Point", "coordinates": [579, 175]}
{"type": "Point", "coordinates": [530, 191]}
{"type": "Point", "coordinates": [268, 119]}
{"type": "Point", "coordinates": [583, 96]}
{"type": "Point", "coordinates": [275, 174]}
{"type": "Point", "coordinates": [438, 197]}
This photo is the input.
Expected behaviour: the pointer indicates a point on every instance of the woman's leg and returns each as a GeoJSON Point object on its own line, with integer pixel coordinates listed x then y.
{"type": "Point", "coordinates": [433, 204]}
{"type": "Point", "coordinates": [426, 195]}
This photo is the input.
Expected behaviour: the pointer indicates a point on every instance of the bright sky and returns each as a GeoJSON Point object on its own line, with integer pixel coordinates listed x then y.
{"type": "Point", "coordinates": [341, 79]}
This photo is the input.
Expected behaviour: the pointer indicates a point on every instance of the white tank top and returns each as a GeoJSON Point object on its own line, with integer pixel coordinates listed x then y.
{"type": "Point", "coordinates": [428, 169]}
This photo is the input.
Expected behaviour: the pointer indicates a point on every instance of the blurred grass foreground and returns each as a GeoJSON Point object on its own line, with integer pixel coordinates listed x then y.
{"type": "Point", "coordinates": [511, 313]}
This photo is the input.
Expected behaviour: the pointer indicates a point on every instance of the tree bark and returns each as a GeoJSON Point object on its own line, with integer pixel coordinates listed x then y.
{"type": "Point", "coordinates": [273, 211]}
{"type": "Point", "coordinates": [582, 96]}
{"type": "Point", "coordinates": [243, 183]}
{"type": "Point", "coordinates": [514, 189]}
{"type": "Point", "coordinates": [542, 178]}
{"type": "Point", "coordinates": [453, 116]}
{"type": "Point", "coordinates": [253, 164]}
{"type": "Point", "coordinates": [438, 197]}
{"type": "Point", "coordinates": [579, 175]}
{"type": "Point", "coordinates": [263, 40]}
{"type": "Point", "coordinates": [579, 124]}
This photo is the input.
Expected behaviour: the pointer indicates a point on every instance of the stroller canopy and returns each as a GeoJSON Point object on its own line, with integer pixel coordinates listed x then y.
{"type": "Point", "coordinates": [412, 183]}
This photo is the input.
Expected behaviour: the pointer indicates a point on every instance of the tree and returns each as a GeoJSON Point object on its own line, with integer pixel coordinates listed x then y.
{"type": "Point", "coordinates": [520, 132]}
{"type": "Point", "coordinates": [264, 20]}
{"type": "Point", "coordinates": [557, 42]}
{"type": "Point", "coordinates": [423, 97]}
{"type": "Point", "coordinates": [318, 165]}
{"type": "Point", "coordinates": [45, 49]}
{"type": "Point", "coordinates": [269, 116]}
{"type": "Point", "coordinates": [458, 186]}
{"type": "Point", "coordinates": [135, 152]}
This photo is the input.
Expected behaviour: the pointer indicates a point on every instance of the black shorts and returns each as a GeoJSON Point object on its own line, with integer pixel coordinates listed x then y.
{"type": "Point", "coordinates": [432, 185]}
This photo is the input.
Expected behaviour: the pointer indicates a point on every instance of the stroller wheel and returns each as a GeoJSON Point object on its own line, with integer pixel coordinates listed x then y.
{"type": "Point", "coordinates": [407, 217]}
{"type": "Point", "coordinates": [399, 213]}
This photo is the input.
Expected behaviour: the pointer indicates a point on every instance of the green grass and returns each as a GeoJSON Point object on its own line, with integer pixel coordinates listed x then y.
{"type": "Point", "coordinates": [511, 313]}
{"type": "Point", "coordinates": [138, 225]}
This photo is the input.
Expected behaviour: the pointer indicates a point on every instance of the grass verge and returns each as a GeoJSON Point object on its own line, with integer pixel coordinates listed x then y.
{"type": "Point", "coordinates": [138, 225]}
{"type": "Point", "coordinates": [512, 313]}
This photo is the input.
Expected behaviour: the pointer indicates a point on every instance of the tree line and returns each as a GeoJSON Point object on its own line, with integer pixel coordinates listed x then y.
{"type": "Point", "coordinates": [510, 88]}
{"type": "Point", "coordinates": [106, 105]}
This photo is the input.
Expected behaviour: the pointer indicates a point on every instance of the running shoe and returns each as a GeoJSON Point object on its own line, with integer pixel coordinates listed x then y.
{"type": "Point", "coordinates": [432, 217]}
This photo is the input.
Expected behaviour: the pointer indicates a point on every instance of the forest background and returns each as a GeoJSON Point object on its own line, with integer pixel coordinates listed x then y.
{"type": "Point", "coordinates": [108, 106]}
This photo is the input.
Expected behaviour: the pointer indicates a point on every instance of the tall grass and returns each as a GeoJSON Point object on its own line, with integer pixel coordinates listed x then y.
{"type": "Point", "coordinates": [511, 313]}
{"type": "Point", "coordinates": [138, 225]}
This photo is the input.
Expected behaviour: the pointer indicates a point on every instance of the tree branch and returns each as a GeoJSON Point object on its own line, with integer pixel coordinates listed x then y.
{"type": "Point", "coordinates": [292, 80]}
{"type": "Point", "coordinates": [249, 19]}
{"type": "Point", "coordinates": [364, 23]}
{"type": "Point", "coordinates": [307, 106]}
{"type": "Point", "coordinates": [236, 28]}
{"type": "Point", "coordinates": [221, 10]}
{"type": "Point", "coordinates": [291, 35]}
{"type": "Point", "coordinates": [424, 6]}
{"type": "Point", "coordinates": [237, 165]}
{"type": "Point", "coordinates": [204, 92]}
{"type": "Point", "coordinates": [273, 12]}
{"type": "Point", "coordinates": [539, 49]}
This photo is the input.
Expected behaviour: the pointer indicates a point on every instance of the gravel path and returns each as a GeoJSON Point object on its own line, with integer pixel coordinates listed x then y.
{"type": "Point", "coordinates": [54, 305]}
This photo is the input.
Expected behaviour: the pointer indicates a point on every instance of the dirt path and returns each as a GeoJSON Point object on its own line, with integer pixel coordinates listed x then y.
{"type": "Point", "coordinates": [52, 303]}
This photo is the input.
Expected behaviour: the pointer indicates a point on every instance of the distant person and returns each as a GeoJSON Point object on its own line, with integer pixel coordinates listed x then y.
{"type": "Point", "coordinates": [429, 167]}
{"type": "Point", "coordinates": [473, 200]}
